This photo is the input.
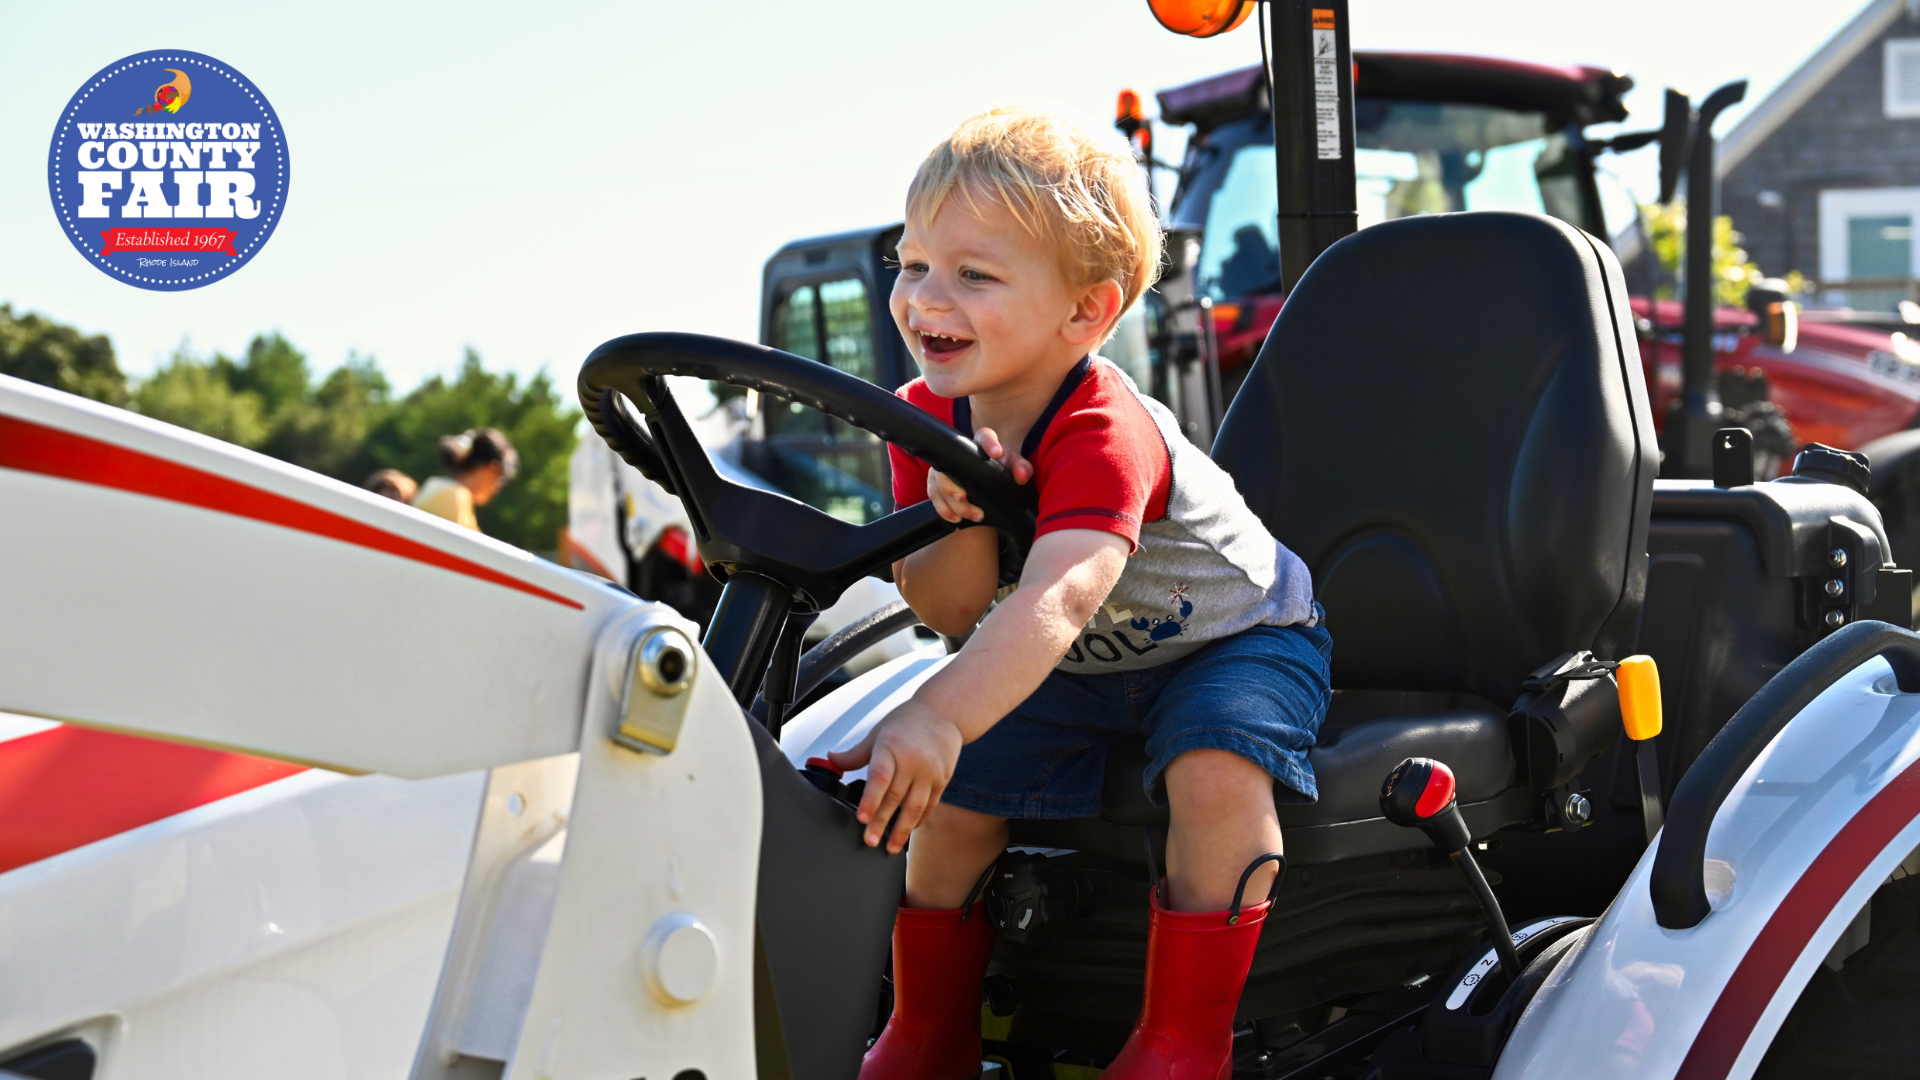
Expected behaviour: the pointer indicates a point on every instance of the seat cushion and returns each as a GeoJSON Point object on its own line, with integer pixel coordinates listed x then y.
{"type": "Point", "coordinates": [1350, 763]}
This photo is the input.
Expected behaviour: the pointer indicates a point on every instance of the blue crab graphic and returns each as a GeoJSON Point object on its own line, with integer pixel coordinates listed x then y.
{"type": "Point", "coordinates": [1173, 625]}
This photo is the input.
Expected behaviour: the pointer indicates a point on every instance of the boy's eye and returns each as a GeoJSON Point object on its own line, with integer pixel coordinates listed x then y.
{"type": "Point", "coordinates": [914, 266]}
{"type": "Point", "coordinates": [973, 275]}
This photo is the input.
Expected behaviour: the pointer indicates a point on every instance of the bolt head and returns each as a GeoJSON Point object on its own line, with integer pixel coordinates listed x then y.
{"type": "Point", "coordinates": [1578, 809]}
{"type": "Point", "coordinates": [1837, 558]}
{"type": "Point", "coordinates": [1835, 587]}
{"type": "Point", "coordinates": [1836, 619]}
{"type": "Point", "coordinates": [665, 663]}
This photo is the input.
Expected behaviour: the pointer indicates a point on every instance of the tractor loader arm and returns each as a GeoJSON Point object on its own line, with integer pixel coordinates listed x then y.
{"type": "Point", "coordinates": [169, 586]}
{"type": "Point", "coordinates": [162, 583]}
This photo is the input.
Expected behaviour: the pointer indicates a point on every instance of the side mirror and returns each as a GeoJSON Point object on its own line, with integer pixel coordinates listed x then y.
{"type": "Point", "coordinates": [1676, 130]}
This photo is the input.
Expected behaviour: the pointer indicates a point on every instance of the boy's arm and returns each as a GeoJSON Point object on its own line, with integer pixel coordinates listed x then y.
{"type": "Point", "coordinates": [951, 582]}
{"type": "Point", "coordinates": [912, 753]}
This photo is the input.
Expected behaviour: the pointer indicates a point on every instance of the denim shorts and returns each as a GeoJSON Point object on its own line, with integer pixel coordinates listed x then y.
{"type": "Point", "coordinates": [1261, 693]}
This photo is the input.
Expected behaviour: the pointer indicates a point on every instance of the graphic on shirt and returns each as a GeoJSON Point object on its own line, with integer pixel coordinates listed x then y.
{"type": "Point", "coordinates": [1172, 625]}
{"type": "Point", "coordinates": [211, 166]}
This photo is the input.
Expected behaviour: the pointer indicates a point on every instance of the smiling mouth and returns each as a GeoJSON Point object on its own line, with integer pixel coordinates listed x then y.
{"type": "Point", "coordinates": [940, 346]}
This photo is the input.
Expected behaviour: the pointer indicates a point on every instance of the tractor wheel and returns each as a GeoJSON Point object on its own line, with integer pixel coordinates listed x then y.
{"type": "Point", "coordinates": [1859, 1016]}
{"type": "Point", "coordinates": [1896, 494]}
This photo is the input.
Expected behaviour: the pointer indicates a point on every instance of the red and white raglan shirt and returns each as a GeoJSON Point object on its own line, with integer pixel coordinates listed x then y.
{"type": "Point", "coordinates": [1107, 457]}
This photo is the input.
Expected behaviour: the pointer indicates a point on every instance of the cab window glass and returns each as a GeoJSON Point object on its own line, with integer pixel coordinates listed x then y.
{"type": "Point", "coordinates": [822, 460]}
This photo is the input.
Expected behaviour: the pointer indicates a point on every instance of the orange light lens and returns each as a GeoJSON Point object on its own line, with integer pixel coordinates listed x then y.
{"type": "Point", "coordinates": [1639, 681]}
{"type": "Point", "coordinates": [1200, 18]}
{"type": "Point", "coordinates": [1128, 107]}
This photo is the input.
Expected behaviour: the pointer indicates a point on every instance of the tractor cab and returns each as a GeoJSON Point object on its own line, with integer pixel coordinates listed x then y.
{"type": "Point", "coordinates": [1433, 134]}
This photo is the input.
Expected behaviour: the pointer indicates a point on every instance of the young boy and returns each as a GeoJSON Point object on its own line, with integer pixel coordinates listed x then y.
{"type": "Point", "coordinates": [1153, 602]}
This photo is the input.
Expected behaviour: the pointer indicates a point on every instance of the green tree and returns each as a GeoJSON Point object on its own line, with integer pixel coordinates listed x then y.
{"type": "Point", "coordinates": [345, 427]}
{"type": "Point", "coordinates": [1733, 274]}
{"type": "Point", "coordinates": [531, 511]}
{"type": "Point", "coordinates": [196, 395]}
{"type": "Point", "coordinates": [326, 428]}
{"type": "Point", "coordinates": [37, 349]}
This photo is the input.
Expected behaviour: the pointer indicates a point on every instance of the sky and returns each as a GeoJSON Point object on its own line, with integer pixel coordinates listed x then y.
{"type": "Point", "coordinates": [529, 180]}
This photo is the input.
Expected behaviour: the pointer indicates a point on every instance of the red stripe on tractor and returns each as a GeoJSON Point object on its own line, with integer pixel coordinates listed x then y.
{"type": "Point", "coordinates": [36, 448]}
{"type": "Point", "coordinates": [1793, 924]}
{"type": "Point", "coordinates": [68, 786]}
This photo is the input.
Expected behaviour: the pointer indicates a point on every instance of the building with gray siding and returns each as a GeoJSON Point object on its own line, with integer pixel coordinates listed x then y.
{"type": "Point", "coordinates": [1823, 176]}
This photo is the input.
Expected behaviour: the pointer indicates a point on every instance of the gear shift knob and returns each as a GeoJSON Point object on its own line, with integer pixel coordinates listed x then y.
{"type": "Point", "coordinates": [1419, 793]}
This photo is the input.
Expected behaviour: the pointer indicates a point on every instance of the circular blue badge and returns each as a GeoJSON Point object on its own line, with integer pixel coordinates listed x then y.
{"type": "Point", "coordinates": [168, 170]}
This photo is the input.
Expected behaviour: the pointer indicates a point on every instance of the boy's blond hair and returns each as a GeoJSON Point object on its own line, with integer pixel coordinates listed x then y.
{"type": "Point", "coordinates": [1076, 186]}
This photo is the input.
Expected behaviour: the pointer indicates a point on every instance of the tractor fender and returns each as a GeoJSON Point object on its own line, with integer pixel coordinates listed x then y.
{"type": "Point", "coordinates": [1818, 821]}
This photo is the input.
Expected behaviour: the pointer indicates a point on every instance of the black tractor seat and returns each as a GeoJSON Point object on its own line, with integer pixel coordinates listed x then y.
{"type": "Point", "coordinates": [1449, 425]}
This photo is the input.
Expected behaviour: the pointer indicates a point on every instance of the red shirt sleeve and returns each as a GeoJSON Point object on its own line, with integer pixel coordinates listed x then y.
{"type": "Point", "coordinates": [1102, 463]}
{"type": "Point", "coordinates": [909, 472]}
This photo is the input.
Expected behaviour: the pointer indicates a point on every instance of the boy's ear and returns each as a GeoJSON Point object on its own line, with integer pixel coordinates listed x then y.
{"type": "Point", "coordinates": [1094, 314]}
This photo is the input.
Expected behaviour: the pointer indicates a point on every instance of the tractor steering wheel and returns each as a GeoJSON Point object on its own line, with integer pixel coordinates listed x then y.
{"type": "Point", "coordinates": [813, 554]}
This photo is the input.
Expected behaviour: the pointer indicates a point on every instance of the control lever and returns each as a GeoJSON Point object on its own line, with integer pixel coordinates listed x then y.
{"type": "Point", "coordinates": [1639, 680]}
{"type": "Point", "coordinates": [1419, 794]}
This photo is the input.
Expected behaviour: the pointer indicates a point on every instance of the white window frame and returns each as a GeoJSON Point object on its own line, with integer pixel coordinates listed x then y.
{"type": "Point", "coordinates": [1837, 207]}
{"type": "Point", "coordinates": [1897, 48]}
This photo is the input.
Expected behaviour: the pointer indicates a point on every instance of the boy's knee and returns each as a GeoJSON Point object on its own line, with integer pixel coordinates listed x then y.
{"type": "Point", "coordinates": [959, 823]}
{"type": "Point", "coordinates": [1208, 777]}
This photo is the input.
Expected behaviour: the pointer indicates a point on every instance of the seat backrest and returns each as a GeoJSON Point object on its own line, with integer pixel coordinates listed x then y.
{"type": "Point", "coordinates": [1449, 424]}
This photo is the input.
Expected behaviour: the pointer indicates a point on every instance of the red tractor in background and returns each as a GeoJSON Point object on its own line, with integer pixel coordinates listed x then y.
{"type": "Point", "coordinates": [1435, 133]}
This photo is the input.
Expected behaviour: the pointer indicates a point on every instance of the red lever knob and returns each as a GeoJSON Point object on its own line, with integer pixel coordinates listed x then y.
{"type": "Point", "coordinates": [1420, 793]}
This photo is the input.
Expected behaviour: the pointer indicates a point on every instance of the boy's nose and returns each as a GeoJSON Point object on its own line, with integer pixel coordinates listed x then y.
{"type": "Point", "coordinates": [928, 296]}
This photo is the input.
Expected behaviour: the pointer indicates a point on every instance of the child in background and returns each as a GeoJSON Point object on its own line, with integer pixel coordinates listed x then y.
{"type": "Point", "coordinates": [481, 461]}
{"type": "Point", "coordinates": [1154, 602]}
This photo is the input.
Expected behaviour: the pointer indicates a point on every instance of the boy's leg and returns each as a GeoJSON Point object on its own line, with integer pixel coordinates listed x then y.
{"type": "Point", "coordinates": [939, 952]}
{"type": "Point", "coordinates": [950, 850]}
{"type": "Point", "coordinates": [1223, 819]}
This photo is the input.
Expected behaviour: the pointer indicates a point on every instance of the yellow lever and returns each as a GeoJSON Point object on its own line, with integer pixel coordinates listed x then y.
{"type": "Point", "coordinates": [1639, 681]}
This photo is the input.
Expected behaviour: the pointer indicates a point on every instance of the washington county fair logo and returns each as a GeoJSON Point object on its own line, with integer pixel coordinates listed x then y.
{"type": "Point", "coordinates": [168, 170]}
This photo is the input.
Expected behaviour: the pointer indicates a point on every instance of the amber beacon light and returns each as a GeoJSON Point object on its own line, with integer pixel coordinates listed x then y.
{"type": "Point", "coordinates": [1201, 18]}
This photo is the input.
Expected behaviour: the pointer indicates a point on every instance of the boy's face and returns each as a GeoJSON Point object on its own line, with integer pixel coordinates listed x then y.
{"type": "Point", "coordinates": [984, 305]}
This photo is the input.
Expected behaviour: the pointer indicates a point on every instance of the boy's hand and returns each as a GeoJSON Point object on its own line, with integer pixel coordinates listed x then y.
{"type": "Point", "coordinates": [950, 499]}
{"type": "Point", "coordinates": [910, 756]}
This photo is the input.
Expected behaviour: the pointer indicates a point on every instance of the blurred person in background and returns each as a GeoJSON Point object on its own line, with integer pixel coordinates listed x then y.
{"type": "Point", "coordinates": [480, 462]}
{"type": "Point", "coordinates": [394, 484]}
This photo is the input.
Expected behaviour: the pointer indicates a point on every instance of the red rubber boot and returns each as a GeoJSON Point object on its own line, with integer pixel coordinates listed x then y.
{"type": "Point", "coordinates": [1196, 967]}
{"type": "Point", "coordinates": [938, 962]}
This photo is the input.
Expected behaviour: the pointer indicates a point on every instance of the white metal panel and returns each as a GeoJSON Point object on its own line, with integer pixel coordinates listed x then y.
{"type": "Point", "coordinates": [155, 616]}
{"type": "Point", "coordinates": [652, 838]}
{"type": "Point", "coordinates": [843, 718]}
{"type": "Point", "coordinates": [331, 895]}
{"type": "Point", "coordinates": [1629, 1001]}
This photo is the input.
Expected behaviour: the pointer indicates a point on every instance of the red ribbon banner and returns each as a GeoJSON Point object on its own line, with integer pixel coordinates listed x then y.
{"type": "Point", "coordinates": [178, 241]}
